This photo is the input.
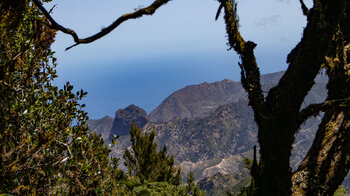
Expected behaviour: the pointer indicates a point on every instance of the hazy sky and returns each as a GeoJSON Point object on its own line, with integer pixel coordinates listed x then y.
{"type": "Point", "coordinates": [145, 60]}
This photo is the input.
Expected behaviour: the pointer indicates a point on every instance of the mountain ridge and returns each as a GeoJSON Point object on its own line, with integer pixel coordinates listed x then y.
{"type": "Point", "coordinates": [197, 100]}
{"type": "Point", "coordinates": [216, 140]}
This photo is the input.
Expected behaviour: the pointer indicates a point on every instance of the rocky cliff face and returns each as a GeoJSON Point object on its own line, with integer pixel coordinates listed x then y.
{"type": "Point", "coordinates": [229, 130]}
{"type": "Point", "coordinates": [124, 117]}
{"type": "Point", "coordinates": [220, 141]}
{"type": "Point", "coordinates": [220, 184]}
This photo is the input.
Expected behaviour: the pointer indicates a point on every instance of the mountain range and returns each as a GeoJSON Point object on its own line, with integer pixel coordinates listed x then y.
{"type": "Point", "coordinates": [209, 128]}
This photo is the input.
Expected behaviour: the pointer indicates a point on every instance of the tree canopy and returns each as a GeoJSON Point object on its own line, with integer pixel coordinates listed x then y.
{"type": "Point", "coordinates": [46, 145]}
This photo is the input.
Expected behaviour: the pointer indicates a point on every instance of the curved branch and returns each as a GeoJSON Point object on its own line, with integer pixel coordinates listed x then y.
{"type": "Point", "coordinates": [134, 15]}
{"type": "Point", "coordinates": [315, 109]}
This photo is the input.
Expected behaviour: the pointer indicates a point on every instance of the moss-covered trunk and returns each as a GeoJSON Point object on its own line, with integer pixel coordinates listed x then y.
{"type": "Point", "coordinates": [275, 173]}
{"type": "Point", "coordinates": [328, 160]}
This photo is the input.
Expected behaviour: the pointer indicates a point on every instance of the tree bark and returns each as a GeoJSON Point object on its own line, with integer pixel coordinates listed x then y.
{"type": "Point", "coordinates": [328, 160]}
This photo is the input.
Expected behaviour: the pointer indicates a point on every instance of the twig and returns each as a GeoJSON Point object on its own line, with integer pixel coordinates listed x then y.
{"type": "Point", "coordinates": [66, 145]}
{"type": "Point", "coordinates": [53, 7]}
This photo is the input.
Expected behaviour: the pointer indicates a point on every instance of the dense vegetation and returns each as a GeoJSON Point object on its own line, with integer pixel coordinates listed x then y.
{"type": "Point", "coordinates": [46, 145]}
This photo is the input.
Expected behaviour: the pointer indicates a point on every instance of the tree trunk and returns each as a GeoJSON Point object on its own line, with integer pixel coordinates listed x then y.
{"type": "Point", "coordinates": [282, 105]}
{"type": "Point", "coordinates": [328, 160]}
{"type": "Point", "coordinates": [278, 116]}
{"type": "Point", "coordinates": [275, 173]}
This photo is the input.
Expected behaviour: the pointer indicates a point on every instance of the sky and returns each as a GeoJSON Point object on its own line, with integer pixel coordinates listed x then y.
{"type": "Point", "coordinates": [145, 60]}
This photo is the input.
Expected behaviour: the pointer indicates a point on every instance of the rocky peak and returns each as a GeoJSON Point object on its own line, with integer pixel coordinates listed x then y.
{"type": "Point", "coordinates": [124, 117]}
{"type": "Point", "coordinates": [197, 101]}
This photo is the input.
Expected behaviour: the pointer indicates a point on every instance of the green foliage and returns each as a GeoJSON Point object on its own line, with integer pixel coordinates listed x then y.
{"type": "Point", "coordinates": [192, 188]}
{"type": "Point", "coordinates": [133, 186]}
{"type": "Point", "coordinates": [45, 144]}
{"type": "Point", "coordinates": [159, 189]}
{"type": "Point", "coordinates": [147, 162]}
{"type": "Point", "coordinates": [190, 182]}
{"type": "Point", "coordinates": [341, 191]}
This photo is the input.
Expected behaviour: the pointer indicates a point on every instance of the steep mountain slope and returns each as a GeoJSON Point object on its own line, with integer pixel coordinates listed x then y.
{"type": "Point", "coordinates": [102, 126]}
{"type": "Point", "coordinates": [197, 100]}
{"type": "Point", "coordinates": [229, 130]}
{"type": "Point", "coordinates": [220, 184]}
{"type": "Point", "coordinates": [206, 133]}
{"type": "Point", "coordinates": [229, 133]}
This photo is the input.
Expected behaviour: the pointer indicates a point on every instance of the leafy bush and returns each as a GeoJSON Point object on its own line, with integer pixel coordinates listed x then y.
{"type": "Point", "coordinates": [46, 145]}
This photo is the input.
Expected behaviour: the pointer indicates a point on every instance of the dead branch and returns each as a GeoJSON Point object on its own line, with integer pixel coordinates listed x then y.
{"type": "Point", "coordinates": [304, 8]}
{"type": "Point", "coordinates": [134, 15]}
{"type": "Point", "coordinates": [67, 146]}
{"type": "Point", "coordinates": [315, 109]}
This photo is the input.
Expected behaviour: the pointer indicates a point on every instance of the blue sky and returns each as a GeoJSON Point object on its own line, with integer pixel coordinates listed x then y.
{"type": "Point", "coordinates": [145, 60]}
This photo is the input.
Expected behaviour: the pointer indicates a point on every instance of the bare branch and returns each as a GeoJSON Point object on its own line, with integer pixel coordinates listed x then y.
{"type": "Point", "coordinates": [53, 7]}
{"type": "Point", "coordinates": [304, 8]}
{"type": "Point", "coordinates": [315, 109]}
{"type": "Point", "coordinates": [137, 14]}
{"type": "Point", "coordinates": [219, 11]}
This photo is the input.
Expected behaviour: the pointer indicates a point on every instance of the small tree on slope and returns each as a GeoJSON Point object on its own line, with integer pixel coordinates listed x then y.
{"type": "Point", "coordinates": [145, 161]}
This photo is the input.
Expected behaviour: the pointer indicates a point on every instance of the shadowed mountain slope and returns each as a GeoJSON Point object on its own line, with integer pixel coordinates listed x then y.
{"type": "Point", "coordinates": [102, 126]}
{"type": "Point", "coordinates": [124, 117]}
